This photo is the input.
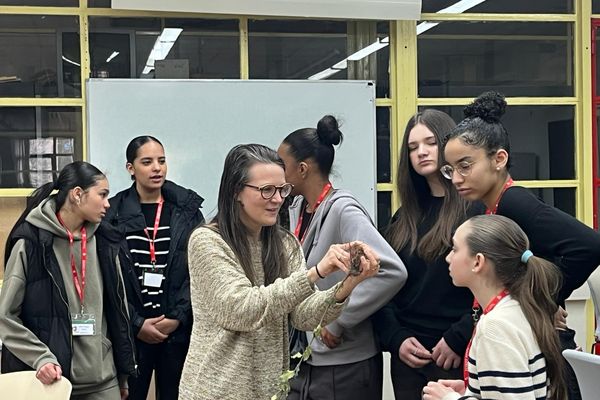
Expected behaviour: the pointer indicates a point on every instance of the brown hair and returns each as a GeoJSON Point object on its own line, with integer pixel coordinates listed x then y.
{"type": "Point", "coordinates": [413, 189]}
{"type": "Point", "coordinates": [534, 284]}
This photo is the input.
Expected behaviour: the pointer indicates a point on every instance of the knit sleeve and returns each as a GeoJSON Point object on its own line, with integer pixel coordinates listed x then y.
{"type": "Point", "coordinates": [505, 367]}
{"type": "Point", "coordinates": [219, 283]}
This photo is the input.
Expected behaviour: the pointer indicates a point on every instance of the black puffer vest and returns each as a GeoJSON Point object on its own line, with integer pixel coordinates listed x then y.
{"type": "Point", "coordinates": [45, 310]}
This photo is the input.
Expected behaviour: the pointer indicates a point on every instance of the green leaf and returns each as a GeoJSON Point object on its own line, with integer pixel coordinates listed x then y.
{"type": "Point", "coordinates": [298, 355]}
{"type": "Point", "coordinates": [286, 376]}
{"type": "Point", "coordinates": [275, 397]}
{"type": "Point", "coordinates": [317, 330]}
{"type": "Point", "coordinates": [307, 353]}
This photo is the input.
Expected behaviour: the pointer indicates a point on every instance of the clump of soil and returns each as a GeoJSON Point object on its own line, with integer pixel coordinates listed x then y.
{"type": "Point", "coordinates": [356, 252]}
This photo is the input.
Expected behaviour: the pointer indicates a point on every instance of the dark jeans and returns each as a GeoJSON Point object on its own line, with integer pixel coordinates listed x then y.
{"type": "Point", "coordinates": [362, 380]}
{"type": "Point", "coordinates": [567, 341]}
{"type": "Point", "coordinates": [166, 359]}
{"type": "Point", "coordinates": [409, 382]}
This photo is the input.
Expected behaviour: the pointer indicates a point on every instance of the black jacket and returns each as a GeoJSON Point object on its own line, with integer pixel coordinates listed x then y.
{"type": "Point", "coordinates": [45, 311]}
{"type": "Point", "coordinates": [126, 214]}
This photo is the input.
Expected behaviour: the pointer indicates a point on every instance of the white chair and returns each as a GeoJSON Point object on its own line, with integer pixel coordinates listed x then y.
{"type": "Point", "coordinates": [587, 371]}
{"type": "Point", "coordinates": [25, 386]}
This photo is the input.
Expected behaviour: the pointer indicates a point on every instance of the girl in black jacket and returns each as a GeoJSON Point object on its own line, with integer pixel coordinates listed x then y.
{"type": "Point", "coordinates": [157, 217]}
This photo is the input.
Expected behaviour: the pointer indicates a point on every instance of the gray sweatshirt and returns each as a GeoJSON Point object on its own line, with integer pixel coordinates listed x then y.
{"type": "Point", "coordinates": [92, 366]}
{"type": "Point", "coordinates": [340, 219]}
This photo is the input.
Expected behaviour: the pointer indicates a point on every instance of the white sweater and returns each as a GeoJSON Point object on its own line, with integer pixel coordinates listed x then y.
{"type": "Point", "coordinates": [505, 361]}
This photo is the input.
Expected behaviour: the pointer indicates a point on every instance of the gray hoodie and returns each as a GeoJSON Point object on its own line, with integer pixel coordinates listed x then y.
{"type": "Point", "coordinates": [340, 219]}
{"type": "Point", "coordinates": [92, 367]}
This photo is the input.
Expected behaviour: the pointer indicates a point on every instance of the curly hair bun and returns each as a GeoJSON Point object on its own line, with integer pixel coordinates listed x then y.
{"type": "Point", "coordinates": [328, 131]}
{"type": "Point", "coordinates": [489, 106]}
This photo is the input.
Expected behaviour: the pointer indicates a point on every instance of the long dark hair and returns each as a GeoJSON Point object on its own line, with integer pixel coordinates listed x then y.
{"type": "Point", "coordinates": [414, 191]}
{"type": "Point", "coordinates": [317, 143]}
{"type": "Point", "coordinates": [482, 127]}
{"type": "Point", "coordinates": [534, 284]}
{"type": "Point", "coordinates": [135, 144]}
{"type": "Point", "coordinates": [274, 254]}
{"type": "Point", "coordinates": [78, 173]}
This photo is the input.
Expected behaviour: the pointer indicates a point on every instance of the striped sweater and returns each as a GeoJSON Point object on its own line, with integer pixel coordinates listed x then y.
{"type": "Point", "coordinates": [505, 361]}
{"type": "Point", "coordinates": [239, 344]}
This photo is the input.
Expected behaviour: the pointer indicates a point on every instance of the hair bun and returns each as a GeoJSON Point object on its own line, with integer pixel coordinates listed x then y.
{"type": "Point", "coordinates": [328, 131]}
{"type": "Point", "coordinates": [488, 106]}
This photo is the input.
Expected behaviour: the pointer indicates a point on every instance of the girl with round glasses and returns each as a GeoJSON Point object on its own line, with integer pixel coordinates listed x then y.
{"type": "Point", "coordinates": [428, 323]}
{"type": "Point", "coordinates": [346, 362]}
{"type": "Point", "coordinates": [248, 279]}
{"type": "Point", "coordinates": [478, 155]}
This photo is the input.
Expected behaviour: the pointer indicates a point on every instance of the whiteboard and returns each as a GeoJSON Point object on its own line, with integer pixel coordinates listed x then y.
{"type": "Point", "coordinates": [199, 121]}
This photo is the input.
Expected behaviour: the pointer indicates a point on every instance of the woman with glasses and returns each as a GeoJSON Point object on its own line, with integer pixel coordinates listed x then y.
{"type": "Point", "coordinates": [427, 325]}
{"type": "Point", "coordinates": [248, 277]}
{"type": "Point", "coordinates": [157, 217]}
{"type": "Point", "coordinates": [346, 362]}
{"type": "Point", "coordinates": [477, 153]}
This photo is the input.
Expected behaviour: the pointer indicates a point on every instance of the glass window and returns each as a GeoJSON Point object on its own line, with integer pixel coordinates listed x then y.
{"type": "Point", "coordinates": [41, 3]}
{"type": "Point", "coordinates": [122, 47]}
{"type": "Point", "coordinates": [38, 60]}
{"type": "Point", "coordinates": [293, 49]}
{"type": "Point", "coordinates": [462, 59]}
{"type": "Point", "coordinates": [99, 3]}
{"type": "Point", "coordinates": [597, 59]}
{"type": "Point", "coordinates": [384, 209]}
{"type": "Point", "coordinates": [506, 6]}
{"type": "Point", "coordinates": [596, 6]}
{"type": "Point", "coordinates": [542, 140]}
{"type": "Point", "coordinates": [561, 198]}
{"type": "Point", "coordinates": [36, 142]}
{"type": "Point", "coordinates": [384, 146]}
{"type": "Point", "coordinates": [11, 207]}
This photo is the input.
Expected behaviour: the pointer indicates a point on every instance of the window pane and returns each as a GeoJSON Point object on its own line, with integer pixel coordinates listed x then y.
{"type": "Point", "coordinates": [41, 3]}
{"type": "Point", "coordinates": [507, 6]}
{"type": "Point", "coordinates": [99, 3]}
{"type": "Point", "coordinates": [38, 60]}
{"type": "Point", "coordinates": [120, 48]}
{"type": "Point", "coordinates": [384, 209]}
{"type": "Point", "coordinates": [542, 140]}
{"type": "Point", "coordinates": [462, 59]}
{"type": "Point", "coordinates": [11, 207]}
{"type": "Point", "coordinates": [293, 49]}
{"type": "Point", "coordinates": [561, 198]}
{"type": "Point", "coordinates": [596, 6]}
{"type": "Point", "coordinates": [384, 149]}
{"type": "Point", "coordinates": [597, 38]}
{"type": "Point", "coordinates": [597, 107]}
{"type": "Point", "coordinates": [36, 142]}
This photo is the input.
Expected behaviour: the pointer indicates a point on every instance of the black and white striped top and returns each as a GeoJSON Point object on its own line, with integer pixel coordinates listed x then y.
{"type": "Point", "coordinates": [139, 247]}
{"type": "Point", "coordinates": [505, 361]}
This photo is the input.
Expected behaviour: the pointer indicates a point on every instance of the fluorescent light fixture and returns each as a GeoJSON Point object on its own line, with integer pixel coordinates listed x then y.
{"type": "Point", "coordinates": [113, 55]}
{"type": "Point", "coordinates": [71, 61]}
{"type": "Point", "coordinates": [162, 47]}
{"type": "Point", "coordinates": [456, 8]}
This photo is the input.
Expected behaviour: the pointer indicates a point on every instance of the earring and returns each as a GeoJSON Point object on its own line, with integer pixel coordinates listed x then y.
{"type": "Point", "coordinates": [497, 168]}
{"type": "Point", "coordinates": [78, 200]}
{"type": "Point", "coordinates": [472, 269]}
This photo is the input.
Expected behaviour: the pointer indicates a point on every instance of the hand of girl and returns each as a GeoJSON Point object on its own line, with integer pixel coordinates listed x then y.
{"type": "Point", "coordinates": [444, 356]}
{"type": "Point", "coordinates": [337, 257]}
{"type": "Point", "coordinates": [435, 391]}
{"type": "Point", "coordinates": [369, 263]}
{"type": "Point", "coordinates": [48, 373]}
{"type": "Point", "coordinates": [457, 385]}
{"type": "Point", "coordinates": [413, 353]}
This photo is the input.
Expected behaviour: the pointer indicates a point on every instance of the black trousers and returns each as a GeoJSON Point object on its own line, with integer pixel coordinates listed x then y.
{"type": "Point", "coordinates": [166, 360]}
{"type": "Point", "coordinates": [361, 380]}
{"type": "Point", "coordinates": [409, 382]}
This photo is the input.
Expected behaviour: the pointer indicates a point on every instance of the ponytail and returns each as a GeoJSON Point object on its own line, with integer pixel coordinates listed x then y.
{"type": "Point", "coordinates": [536, 292]}
{"type": "Point", "coordinates": [76, 174]}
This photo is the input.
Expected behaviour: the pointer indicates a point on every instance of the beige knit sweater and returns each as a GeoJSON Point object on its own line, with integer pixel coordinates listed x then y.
{"type": "Point", "coordinates": [239, 344]}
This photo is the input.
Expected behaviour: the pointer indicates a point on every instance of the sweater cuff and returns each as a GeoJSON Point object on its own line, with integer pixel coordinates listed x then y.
{"type": "Point", "coordinates": [335, 329]}
{"type": "Point", "coordinates": [40, 362]}
{"type": "Point", "coordinates": [123, 381]}
{"type": "Point", "coordinates": [398, 338]}
{"type": "Point", "coordinates": [137, 323]}
{"type": "Point", "coordinates": [455, 343]}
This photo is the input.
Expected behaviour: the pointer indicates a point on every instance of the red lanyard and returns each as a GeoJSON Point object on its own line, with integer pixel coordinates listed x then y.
{"type": "Point", "coordinates": [80, 287]}
{"type": "Point", "coordinates": [486, 310]}
{"type": "Point", "coordinates": [508, 184]}
{"type": "Point", "coordinates": [320, 199]}
{"type": "Point", "coordinates": [154, 232]}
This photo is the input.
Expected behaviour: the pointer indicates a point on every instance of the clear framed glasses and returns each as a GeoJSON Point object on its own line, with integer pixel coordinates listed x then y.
{"type": "Point", "coordinates": [464, 168]}
{"type": "Point", "coordinates": [268, 191]}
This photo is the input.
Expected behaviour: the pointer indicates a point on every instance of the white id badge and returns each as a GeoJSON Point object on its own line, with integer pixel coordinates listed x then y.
{"type": "Point", "coordinates": [152, 279]}
{"type": "Point", "coordinates": [83, 324]}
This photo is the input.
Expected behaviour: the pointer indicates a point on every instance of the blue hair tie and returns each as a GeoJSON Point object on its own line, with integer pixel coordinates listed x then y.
{"type": "Point", "coordinates": [525, 256]}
